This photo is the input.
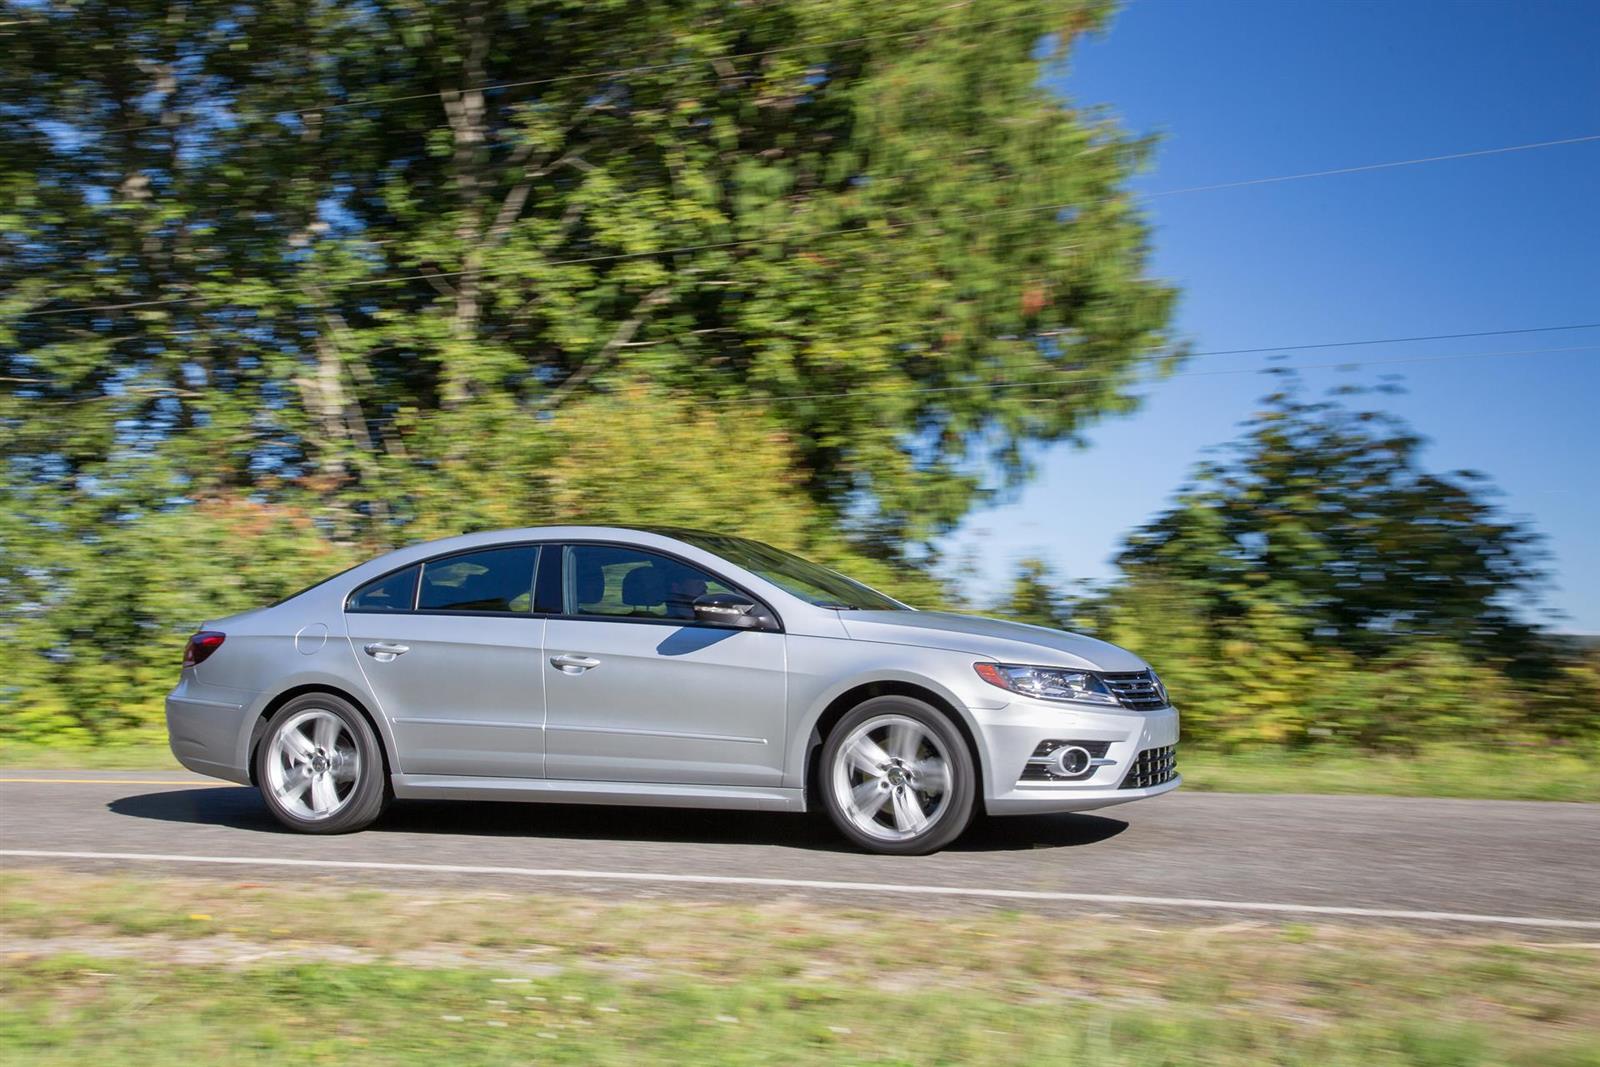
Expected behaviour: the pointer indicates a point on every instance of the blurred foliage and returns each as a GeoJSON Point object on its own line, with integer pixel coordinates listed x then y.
{"type": "Point", "coordinates": [94, 622]}
{"type": "Point", "coordinates": [283, 284]}
{"type": "Point", "coordinates": [1035, 598]}
{"type": "Point", "coordinates": [1322, 510]}
{"type": "Point", "coordinates": [1314, 583]}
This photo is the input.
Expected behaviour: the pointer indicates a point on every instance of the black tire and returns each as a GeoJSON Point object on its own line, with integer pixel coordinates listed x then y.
{"type": "Point", "coordinates": [953, 810]}
{"type": "Point", "coordinates": [360, 799]}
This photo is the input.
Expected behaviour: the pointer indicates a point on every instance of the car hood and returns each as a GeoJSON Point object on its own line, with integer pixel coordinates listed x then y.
{"type": "Point", "coordinates": [1006, 642]}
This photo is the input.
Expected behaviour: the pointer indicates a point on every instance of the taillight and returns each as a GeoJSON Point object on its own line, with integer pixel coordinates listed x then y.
{"type": "Point", "coordinates": [200, 647]}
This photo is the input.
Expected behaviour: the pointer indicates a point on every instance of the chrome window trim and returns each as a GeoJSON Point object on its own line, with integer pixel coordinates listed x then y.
{"type": "Point", "coordinates": [421, 565]}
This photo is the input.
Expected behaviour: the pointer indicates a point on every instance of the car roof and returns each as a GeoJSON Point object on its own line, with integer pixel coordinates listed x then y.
{"type": "Point", "coordinates": [569, 528]}
{"type": "Point", "coordinates": [644, 536]}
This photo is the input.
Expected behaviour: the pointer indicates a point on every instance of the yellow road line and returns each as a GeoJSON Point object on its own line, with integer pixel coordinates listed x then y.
{"type": "Point", "coordinates": [114, 781]}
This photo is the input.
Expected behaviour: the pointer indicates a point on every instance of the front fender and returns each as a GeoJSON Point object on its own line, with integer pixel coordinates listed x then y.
{"type": "Point", "coordinates": [820, 676]}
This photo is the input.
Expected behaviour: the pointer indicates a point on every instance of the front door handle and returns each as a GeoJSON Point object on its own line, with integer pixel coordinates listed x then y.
{"type": "Point", "coordinates": [384, 651]}
{"type": "Point", "coordinates": [571, 663]}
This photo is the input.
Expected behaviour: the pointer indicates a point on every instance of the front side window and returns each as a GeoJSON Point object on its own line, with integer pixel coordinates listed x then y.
{"type": "Point", "coordinates": [392, 592]}
{"type": "Point", "coordinates": [632, 583]}
{"type": "Point", "coordinates": [494, 579]}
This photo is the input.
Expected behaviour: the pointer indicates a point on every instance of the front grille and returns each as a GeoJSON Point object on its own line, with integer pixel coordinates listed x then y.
{"type": "Point", "coordinates": [1136, 689]}
{"type": "Point", "coordinates": [1151, 767]}
{"type": "Point", "coordinates": [1038, 769]}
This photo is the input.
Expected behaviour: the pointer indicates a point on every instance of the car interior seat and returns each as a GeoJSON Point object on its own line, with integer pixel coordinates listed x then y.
{"type": "Point", "coordinates": [643, 589]}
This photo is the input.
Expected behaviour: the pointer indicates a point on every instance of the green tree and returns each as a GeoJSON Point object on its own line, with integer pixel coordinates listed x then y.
{"type": "Point", "coordinates": [1314, 581]}
{"type": "Point", "coordinates": [1323, 510]}
{"type": "Point", "coordinates": [364, 236]}
{"type": "Point", "coordinates": [382, 267]}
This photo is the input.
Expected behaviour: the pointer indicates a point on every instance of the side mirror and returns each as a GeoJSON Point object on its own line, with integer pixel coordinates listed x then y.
{"type": "Point", "coordinates": [729, 609]}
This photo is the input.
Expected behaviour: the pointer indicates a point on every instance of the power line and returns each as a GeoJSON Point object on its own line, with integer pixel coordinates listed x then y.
{"type": "Point", "coordinates": [648, 68]}
{"type": "Point", "coordinates": [1276, 348]}
{"type": "Point", "coordinates": [1069, 379]}
{"type": "Point", "coordinates": [1394, 340]}
{"type": "Point", "coordinates": [1379, 166]}
{"type": "Point", "coordinates": [652, 68]}
{"type": "Point", "coordinates": [816, 234]}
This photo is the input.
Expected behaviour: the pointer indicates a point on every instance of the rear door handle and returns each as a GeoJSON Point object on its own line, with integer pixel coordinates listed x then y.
{"type": "Point", "coordinates": [384, 651]}
{"type": "Point", "coordinates": [571, 663]}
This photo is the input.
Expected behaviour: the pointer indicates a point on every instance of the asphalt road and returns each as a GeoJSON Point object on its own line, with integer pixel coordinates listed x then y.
{"type": "Point", "coordinates": [1529, 865]}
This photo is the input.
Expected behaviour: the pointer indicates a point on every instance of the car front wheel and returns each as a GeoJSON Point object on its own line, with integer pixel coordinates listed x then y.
{"type": "Point", "coordinates": [898, 777]}
{"type": "Point", "coordinates": [319, 766]}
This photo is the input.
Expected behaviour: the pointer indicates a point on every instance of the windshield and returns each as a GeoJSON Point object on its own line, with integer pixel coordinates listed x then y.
{"type": "Point", "coordinates": [809, 581]}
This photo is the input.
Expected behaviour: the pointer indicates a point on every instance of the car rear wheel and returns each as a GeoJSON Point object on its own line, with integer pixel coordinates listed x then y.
{"type": "Point", "coordinates": [320, 768]}
{"type": "Point", "coordinates": [898, 777]}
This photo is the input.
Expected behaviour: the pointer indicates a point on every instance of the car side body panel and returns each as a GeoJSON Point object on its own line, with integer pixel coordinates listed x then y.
{"type": "Point", "coordinates": [462, 694]}
{"type": "Point", "coordinates": [664, 703]}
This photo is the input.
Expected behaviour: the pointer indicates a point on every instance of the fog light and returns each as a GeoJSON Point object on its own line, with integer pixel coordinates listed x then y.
{"type": "Point", "coordinates": [1070, 760]}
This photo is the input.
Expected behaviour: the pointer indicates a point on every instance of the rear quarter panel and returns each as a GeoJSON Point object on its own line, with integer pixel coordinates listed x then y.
{"type": "Point", "coordinates": [298, 644]}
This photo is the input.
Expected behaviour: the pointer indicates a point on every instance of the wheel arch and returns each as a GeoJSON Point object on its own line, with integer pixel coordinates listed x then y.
{"type": "Point", "coordinates": [841, 704]}
{"type": "Point", "coordinates": [270, 708]}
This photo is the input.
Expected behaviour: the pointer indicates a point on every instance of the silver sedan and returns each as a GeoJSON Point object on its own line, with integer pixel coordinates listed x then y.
{"type": "Point", "coordinates": [667, 667]}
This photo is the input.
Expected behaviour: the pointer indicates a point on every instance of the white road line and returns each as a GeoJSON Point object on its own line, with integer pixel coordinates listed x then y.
{"type": "Point", "coordinates": [188, 784]}
{"type": "Point", "coordinates": [808, 883]}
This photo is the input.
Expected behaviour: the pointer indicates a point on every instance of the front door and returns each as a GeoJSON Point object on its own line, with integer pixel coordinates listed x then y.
{"type": "Point", "coordinates": [637, 691]}
{"type": "Point", "coordinates": [452, 652]}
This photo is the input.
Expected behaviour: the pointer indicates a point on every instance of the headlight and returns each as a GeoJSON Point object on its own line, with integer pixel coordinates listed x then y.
{"type": "Point", "coordinates": [1047, 683]}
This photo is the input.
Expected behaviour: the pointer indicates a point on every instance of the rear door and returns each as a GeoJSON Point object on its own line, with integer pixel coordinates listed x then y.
{"type": "Point", "coordinates": [452, 649]}
{"type": "Point", "coordinates": [638, 691]}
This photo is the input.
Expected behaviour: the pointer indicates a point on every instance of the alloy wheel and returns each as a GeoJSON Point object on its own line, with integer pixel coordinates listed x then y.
{"type": "Point", "coordinates": [891, 778]}
{"type": "Point", "coordinates": [313, 765]}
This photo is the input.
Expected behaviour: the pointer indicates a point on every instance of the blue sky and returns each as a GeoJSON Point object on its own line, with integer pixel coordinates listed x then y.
{"type": "Point", "coordinates": [1239, 90]}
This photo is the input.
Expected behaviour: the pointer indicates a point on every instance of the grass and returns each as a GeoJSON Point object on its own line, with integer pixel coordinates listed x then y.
{"type": "Point", "coordinates": [116, 756]}
{"type": "Point", "coordinates": [1436, 771]}
{"type": "Point", "coordinates": [133, 971]}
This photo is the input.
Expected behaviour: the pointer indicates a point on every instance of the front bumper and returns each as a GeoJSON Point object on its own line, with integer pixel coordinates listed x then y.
{"type": "Point", "coordinates": [1011, 734]}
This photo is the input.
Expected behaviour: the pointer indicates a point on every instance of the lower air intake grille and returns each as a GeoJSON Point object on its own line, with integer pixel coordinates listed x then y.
{"type": "Point", "coordinates": [1151, 767]}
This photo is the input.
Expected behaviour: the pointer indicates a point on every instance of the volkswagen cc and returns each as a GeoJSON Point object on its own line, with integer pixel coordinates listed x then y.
{"type": "Point", "coordinates": [664, 667]}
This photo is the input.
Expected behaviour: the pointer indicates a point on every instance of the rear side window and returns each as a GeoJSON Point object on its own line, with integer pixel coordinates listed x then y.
{"type": "Point", "coordinates": [392, 592]}
{"type": "Point", "coordinates": [495, 579]}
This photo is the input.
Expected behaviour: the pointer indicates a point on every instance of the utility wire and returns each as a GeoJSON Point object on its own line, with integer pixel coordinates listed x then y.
{"type": "Point", "coordinates": [1378, 166]}
{"type": "Point", "coordinates": [651, 68]}
{"type": "Point", "coordinates": [1064, 379]}
{"type": "Point", "coordinates": [1266, 348]}
{"type": "Point", "coordinates": [1392, 340]}
{"type": "Point", "coordinates": [647, 68]}
{"type": "Point", "coordinates": [1069, 379]}
{"type": "Point", "coordinates": [813, 235]}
